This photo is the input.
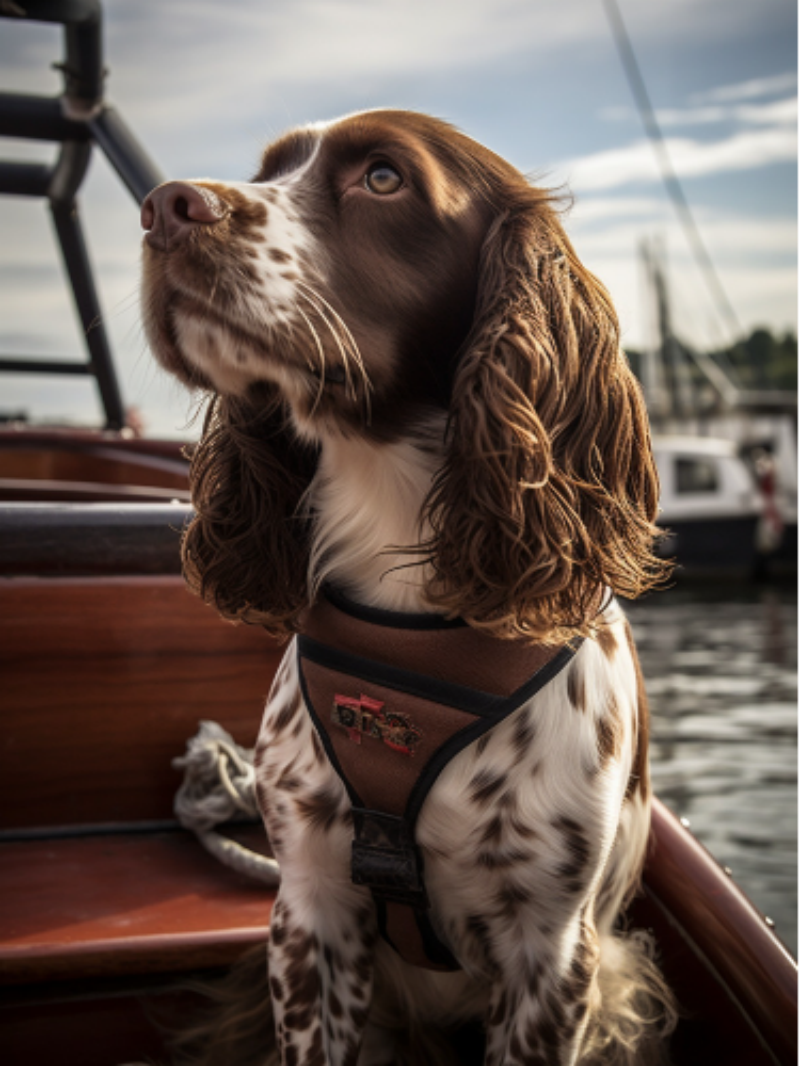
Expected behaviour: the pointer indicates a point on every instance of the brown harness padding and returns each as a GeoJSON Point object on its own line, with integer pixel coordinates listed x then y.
{"type": "Point", "coordinates": [394, 698]}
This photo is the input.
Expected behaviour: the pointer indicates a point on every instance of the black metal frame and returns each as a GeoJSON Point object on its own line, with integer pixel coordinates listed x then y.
{"type": "Point", "coordinates": [78, 119]}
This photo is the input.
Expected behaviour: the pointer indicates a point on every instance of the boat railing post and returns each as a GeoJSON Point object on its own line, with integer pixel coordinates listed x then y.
{"type": "Point", "coordinates": [76, 258]}
{"type": "Point", "coordinates": [77, 119]}
{"type": "Point", "coordinates": [125, 153]}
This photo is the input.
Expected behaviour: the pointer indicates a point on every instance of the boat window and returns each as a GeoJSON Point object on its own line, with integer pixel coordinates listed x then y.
{"type": "Point", "coordinates": [697, 475]}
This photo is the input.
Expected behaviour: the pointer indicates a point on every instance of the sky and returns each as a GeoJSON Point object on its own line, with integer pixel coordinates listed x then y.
{"type": "Point", "coordinates": [206, 86]}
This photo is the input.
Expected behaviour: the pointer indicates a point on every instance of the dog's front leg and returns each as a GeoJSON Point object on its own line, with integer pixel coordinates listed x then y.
{"type": "Point", "coordinates": [323, 930]}
{"type": "Point", "coordinates": [320, 966]}
{"type": "Point", "coordinates": [540, 1002]}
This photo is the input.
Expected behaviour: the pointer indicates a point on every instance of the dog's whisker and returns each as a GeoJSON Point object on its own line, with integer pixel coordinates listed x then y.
{"type": "Point", "coordinates": [350, 340]}
{"type": "Point", "coordinates": [332, 331]}
{"type": "Point", "coordinates": [321, 352]}
{"type": "Point", "coordinates": [348, 381]}
{"type": "Point", "coordinates": [342, 325]}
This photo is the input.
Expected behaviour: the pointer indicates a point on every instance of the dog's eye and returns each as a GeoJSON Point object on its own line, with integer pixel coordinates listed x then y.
{"type": "Point", "coordinates": [382, 179]}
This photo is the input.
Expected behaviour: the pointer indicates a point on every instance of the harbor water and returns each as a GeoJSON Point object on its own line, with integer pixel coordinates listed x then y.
{"type": "Point", "coordinates": [721, 671]}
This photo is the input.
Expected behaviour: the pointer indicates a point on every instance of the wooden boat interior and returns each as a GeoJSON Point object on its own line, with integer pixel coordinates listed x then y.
{"type": "Point", "coordinates": [108, 666]}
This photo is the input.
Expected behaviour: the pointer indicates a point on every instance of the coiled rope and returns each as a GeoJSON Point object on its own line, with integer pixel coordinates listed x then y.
{"type": "Point", "coordinates": [219, 785]}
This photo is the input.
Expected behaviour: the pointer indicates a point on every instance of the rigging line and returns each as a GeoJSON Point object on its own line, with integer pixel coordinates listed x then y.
{"type": "Point", "coordinates": [669, 177]}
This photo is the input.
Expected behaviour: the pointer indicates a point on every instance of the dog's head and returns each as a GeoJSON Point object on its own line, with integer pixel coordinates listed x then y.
{"type": "Point", "coordinates": [376, 269]}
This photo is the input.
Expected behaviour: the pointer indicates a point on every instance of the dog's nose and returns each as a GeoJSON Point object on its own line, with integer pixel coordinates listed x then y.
{"type": "Point", "coordinates": [171, 212]}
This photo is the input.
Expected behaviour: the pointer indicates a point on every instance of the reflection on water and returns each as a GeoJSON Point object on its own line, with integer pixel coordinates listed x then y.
{"type": "Point", "coordinates": [721, 672]}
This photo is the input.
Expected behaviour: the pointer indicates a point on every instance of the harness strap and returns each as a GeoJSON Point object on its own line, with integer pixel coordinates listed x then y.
{"type": "Point", "coordinates": [389, 730]}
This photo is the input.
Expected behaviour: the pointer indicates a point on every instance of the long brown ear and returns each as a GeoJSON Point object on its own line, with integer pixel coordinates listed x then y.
{"type": "Point", "coordinates": [246, 551]}
{"type": "Point", "coordinates": [549, 490]}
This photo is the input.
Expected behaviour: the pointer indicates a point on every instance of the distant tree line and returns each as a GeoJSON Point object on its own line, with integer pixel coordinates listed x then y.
{"type": "Point", "coordinates": [760, 361]}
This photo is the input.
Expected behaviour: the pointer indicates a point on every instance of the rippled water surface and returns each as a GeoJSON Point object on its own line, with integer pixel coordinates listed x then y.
{"type": "Point", "coordinates": [721, 672]}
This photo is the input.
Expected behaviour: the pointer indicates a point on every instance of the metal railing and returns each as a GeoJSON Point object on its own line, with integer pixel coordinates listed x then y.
{"type": "Point", "coordinates": [78, 120]}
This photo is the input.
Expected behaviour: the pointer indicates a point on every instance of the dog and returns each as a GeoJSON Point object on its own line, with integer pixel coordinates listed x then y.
{"type": "Point", "coordinates": [423, 440]}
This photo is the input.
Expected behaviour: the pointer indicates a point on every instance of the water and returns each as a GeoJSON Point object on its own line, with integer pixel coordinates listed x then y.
{"type": "Point", "coordinates": [721, 672]}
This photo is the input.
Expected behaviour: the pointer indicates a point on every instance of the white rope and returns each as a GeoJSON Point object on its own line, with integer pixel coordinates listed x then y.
{"type": "Point", "coordinates": [219, 785]}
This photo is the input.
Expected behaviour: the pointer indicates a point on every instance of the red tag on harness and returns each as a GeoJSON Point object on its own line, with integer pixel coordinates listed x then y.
{"type": "Point", "coordinates": [368, 717]}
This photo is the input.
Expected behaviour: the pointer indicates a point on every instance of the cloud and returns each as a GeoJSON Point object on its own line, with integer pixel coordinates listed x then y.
{"type": "Point", "coordinates": [616, 225]}
{"type": "Point", "coordinates": [636, 163]}
{"type": "Point", "coordinates": [775, 113]}
{"type": "Point", "coordinates": [747, 90]}
{"type": "Point", "coordinates": [201, 57]}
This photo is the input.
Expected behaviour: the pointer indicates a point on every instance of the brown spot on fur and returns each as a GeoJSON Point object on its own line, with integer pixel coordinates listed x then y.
{"type": "Point", "coordinates": [511, 897]}
{"type": "Point", "coordinates": [287, 781]}
{"type": "Point", "coordinates": [607, 641]}
{"type": "Point", "coordinates": [277, 255]}
{"type": "Point", "coordinates": [483, 743]}
{"type": "Point", "coordinates": [277, 932]}
{"type": "Point", "coordinates": [578, 850]}
{"type": "Point", "coordinates": [576, 688]}
{"type": "Point", "coordinates": [287, 713]}
{"type": "Point", "coordinates": [493, 830]}
{"type": "Point", "coordinates": [609, 733]}
{"type": "Point", "coordinates": [524, 733]}
{"type": "Point", "coordinates": [320, 809]}
{"type": "Point", "coordinates": [485, 784]}
{"type": "Point", "coordinates": [276, 988]}
{"type": "Point", "coordinates": [334, 1004]}
{"type": "Point", "coordinates": [247, 215]}
{"type": "Point", "coordinates": [527, 832]}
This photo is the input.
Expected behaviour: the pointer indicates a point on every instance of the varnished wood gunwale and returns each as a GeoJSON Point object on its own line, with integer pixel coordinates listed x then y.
{"type": "Point", "coordinates": [39, 465]}
{"type": "Point", "coordinates": [725, 964]}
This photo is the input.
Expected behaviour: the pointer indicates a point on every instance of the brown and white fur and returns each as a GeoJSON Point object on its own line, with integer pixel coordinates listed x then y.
{"type": "Point", "coordinates": [417, 393]}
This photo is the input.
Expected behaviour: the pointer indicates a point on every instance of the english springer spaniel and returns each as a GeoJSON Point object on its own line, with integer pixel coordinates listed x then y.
{"type": "Point", "coordinates": [426, 459]}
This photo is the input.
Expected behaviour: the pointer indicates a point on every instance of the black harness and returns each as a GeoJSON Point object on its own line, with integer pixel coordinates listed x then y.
{"type": "Point", "coordinates": [394, 697]}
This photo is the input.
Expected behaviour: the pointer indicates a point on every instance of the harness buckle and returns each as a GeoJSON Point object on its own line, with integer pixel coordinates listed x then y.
{"type": "Point", "coordinates": [386, 859]}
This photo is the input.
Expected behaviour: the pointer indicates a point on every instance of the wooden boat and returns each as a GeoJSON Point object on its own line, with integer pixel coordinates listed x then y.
{"type": "Point", "coordinates": [108, 665]}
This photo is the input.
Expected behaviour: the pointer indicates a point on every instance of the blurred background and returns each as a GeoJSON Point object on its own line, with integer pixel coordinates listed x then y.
{"type": "Point", "coordinates": [674, 129]}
